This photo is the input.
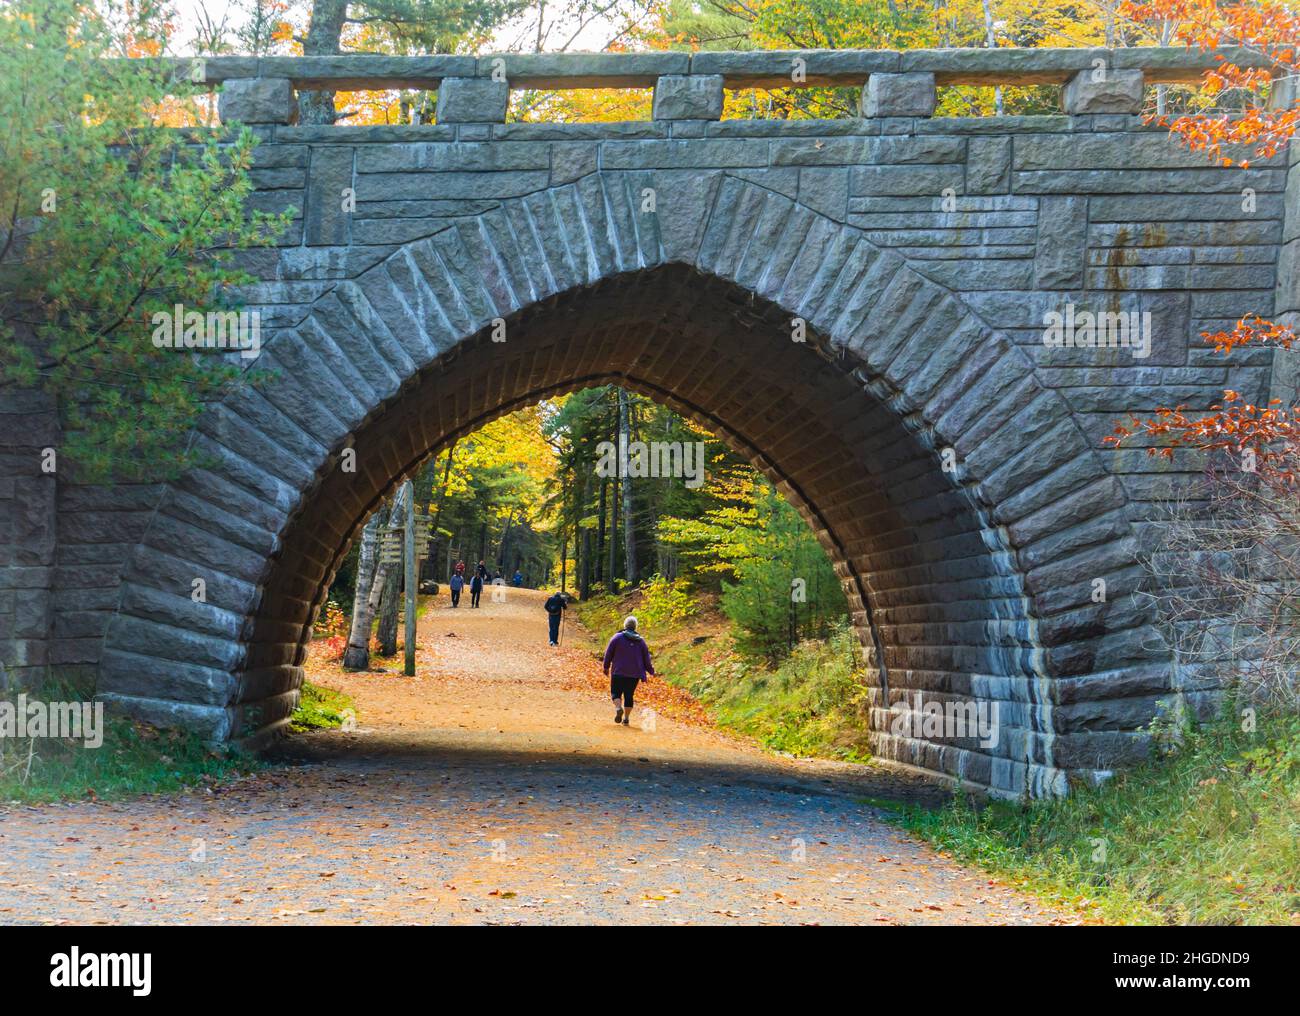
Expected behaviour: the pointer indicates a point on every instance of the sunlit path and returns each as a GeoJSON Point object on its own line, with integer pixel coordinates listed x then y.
{"type": "Point", "coordinates": [494, 787]}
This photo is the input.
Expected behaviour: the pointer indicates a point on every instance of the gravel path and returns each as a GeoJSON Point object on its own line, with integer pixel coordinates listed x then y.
{"type": "Point", "coordinates": [494, 788]}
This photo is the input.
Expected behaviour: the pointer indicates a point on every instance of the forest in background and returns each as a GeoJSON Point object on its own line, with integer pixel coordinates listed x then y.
{"type": "Point", "coordinates": [539, 492]}
{"type": "Point", "coordinates": [326, 27]}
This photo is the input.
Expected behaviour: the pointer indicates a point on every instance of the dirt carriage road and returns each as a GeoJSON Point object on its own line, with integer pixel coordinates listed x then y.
{"type": "Point", "coordinates": [494, 788]}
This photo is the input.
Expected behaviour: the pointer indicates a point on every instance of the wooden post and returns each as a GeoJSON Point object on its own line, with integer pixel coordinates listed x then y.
{"type": "Point", "coordinates": [412, 583]}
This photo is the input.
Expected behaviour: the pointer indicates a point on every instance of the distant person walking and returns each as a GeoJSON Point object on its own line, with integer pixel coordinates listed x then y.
{"type": "Point", "coordinates": [517, 579]}
{"type": "Point", "coordinates": [475, 589]}
{"type": "Point", "coordinates": [457, 583]}
{"type": "Point", "coordinates": [627, 661]}
{"type": "Point", "coordinates": [555, 613]}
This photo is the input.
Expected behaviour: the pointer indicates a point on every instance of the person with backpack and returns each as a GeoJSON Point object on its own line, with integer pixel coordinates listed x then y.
{"type": "Point", "coordinates": [457, 583]}
{"type": "Point", "coordinates": [627, 661]}
{"type": "Point", "coordinates": [555, 613]}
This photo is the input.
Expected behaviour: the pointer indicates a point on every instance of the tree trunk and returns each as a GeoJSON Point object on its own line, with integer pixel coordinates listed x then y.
{"type": "Point", "coordinates": [357, 654]}
{"type": "Point", "coordinates": [388, 603]}
{"type": "Point", "coordinates": [612, 566]}
{"type": "Point", "coordinates": [600, 535]}
{"type": "Point", "coordinates": [323, 35]}
{"type": "Point", "coordinates": [501, 547]}
{"type": "Point", "coordinates": [391, 596]}
{"type": "Point", "coordinates": [437, 515]}
{"type": "Point", "coordinates": [629, 528]}
{"type": "Point", "coordinates": [363, 612]}
{"type": "Point", "coordinates": [584, 542]}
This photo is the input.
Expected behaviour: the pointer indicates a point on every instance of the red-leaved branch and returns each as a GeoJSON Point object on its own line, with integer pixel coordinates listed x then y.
{"type": "Point", "coordinates": [1268, 435]}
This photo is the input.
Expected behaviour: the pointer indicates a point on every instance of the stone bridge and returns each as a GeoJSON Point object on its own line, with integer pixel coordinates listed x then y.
{"type": "Point", "coordinates": [946, 451]}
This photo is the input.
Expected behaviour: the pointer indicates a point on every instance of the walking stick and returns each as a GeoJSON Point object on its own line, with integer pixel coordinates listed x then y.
{"type": "Point", "coordinates": [560, 639]}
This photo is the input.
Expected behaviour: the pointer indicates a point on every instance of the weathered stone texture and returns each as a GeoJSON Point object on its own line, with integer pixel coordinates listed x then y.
{"type": "Point", "coordinates": [910, 94]}
{"type": "Point", "coordinates": [472, 100]}
{"type": "Point", "coordinates": [1061, 251]}
{"type": "Point", "coordinates": [924, 255]}
{"type": "Point", "coordinates": [688, 97]}
{"type": "Point", "coordinates": [1104, 90]}
{"type": "Point", "coordinates": [257, 101]}
{"type": "Point", "coordinates": [328, 215]}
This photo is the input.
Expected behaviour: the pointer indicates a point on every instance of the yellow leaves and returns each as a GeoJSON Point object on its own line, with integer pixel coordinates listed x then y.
{"type": "Point", "coordinates": [589, 105]}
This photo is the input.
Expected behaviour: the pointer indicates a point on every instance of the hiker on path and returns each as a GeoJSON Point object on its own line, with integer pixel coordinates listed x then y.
{"type": "Point", "coordinates": [517, 580]}
{"type": "Point", "coordinates": [457, 583]}
{"type": "Point", "coordinates": [476, 585]}
{"type": "Point", "coordinates": [627, 661]}
{"type": "Point", "coordinates": [460, 568]}
{"type": "Point", "coordinates": [555, 612]}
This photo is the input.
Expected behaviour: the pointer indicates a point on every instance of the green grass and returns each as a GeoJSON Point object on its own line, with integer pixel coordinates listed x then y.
{"type": "Point", "coordinates": [1209, 835]}
{"type": "Point", "coordinates": [321, 708]}
{"type": "Point", "coordinates": [133, 759]}
{"type": "Point", "coordinates": [136, 758]}
{"type": "Point", "coordinates": [812, 704]}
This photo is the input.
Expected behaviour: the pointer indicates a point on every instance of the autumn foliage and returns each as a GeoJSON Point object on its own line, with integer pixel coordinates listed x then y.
{"type": "Point", "coordinates": [1268, 33]}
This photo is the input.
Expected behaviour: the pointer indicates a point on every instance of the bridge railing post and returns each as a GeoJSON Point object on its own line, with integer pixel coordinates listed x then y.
{"type": "Point", "coordinates": [474, 91]}
{"type": "Point", "coordinates": [1103, 90]}
{"type": "Point", "coordinates": [688, 97]}
{"type": "Point", "coordinates": [907, 94]}
{"type": "Point", "coordinates": [473, 100]}
{"type": "Point", "coordinates": [257, 101]}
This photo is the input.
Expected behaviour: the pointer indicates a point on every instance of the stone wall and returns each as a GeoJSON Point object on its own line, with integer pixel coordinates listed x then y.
{"type": "Point", "coordinates": [923, 253]}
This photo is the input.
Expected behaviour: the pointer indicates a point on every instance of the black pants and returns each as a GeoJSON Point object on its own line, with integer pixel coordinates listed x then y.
{"type": "Point", "coordinates": [455, 597]}
{"type": "Point", "coordinates": [474, 594]}
{"type": "Point", "coordinates": [623, 687]}
{"type": "Point", "coordinates": [554, 620]}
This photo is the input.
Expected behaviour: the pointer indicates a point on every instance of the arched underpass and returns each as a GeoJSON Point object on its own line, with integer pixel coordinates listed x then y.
{"type": "Point", "coordinates": [935, 589]}
{"type": "Point", "coordinates": [949, 460]}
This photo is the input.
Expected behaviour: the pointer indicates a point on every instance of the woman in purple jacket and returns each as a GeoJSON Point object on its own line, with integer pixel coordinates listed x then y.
{"type": "Point", "coordinates": [627, 661]}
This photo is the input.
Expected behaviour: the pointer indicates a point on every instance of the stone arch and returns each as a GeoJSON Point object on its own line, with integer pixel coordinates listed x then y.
{"type": "Point", "coordinates": [972, 584]}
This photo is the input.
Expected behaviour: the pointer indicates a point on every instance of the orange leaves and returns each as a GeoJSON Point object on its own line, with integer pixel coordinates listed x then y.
{"type": "Point", "coordinates": [1251, 329]}
{"type": "Point", "coordinates": [1268, 437]}
{"type": "Point", "coordinates": [1270, 434]}
{"type": "Point", "coordinates": [1266, 129]}
{"type": "Point", "coordinates": [1268, 28]}
{"type": "Point", "coordinates": [1271, 27]}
